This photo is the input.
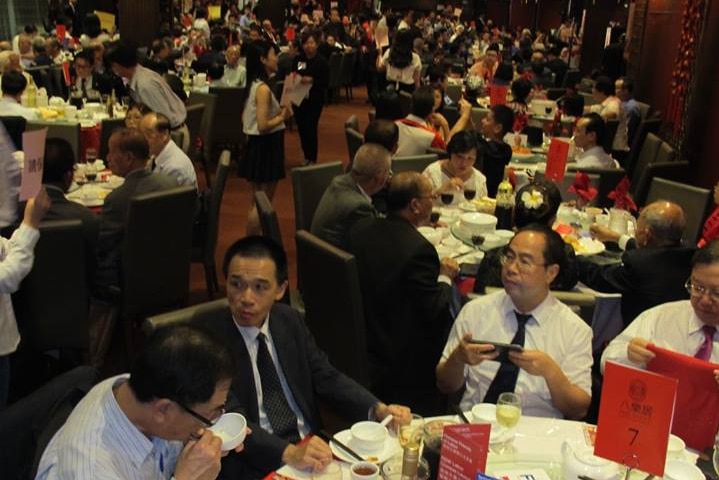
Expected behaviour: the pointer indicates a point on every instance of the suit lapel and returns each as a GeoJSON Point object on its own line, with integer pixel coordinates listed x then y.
{"type": "Point", "coordinates": [243, 383]}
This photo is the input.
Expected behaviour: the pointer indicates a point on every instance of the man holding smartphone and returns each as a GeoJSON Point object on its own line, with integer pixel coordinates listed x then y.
{"type": "Point", "coordinates": [552, 371]}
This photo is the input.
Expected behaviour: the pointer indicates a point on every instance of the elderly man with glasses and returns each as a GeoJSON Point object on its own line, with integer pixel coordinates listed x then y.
{"type": "Point", "coordinates": [549, 365]}
{"type": "Point", "coordinates": [686, 326]}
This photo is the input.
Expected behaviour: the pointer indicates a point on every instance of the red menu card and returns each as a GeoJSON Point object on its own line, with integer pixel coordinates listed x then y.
{"type": "Point", "coordinates": [497, 95]}
{"type": "Point", "coordinates": [635, 414]}
{"type": "Point", "coordinates": [464, 451]}
{"type": "Point", "coordinates": [697, 410]}
{"type": "Point", "coordinates": [557, 160]}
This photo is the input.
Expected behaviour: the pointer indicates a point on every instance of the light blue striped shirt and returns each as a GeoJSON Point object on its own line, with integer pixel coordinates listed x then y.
{"type": "Point", "coordinates": [99, 442]}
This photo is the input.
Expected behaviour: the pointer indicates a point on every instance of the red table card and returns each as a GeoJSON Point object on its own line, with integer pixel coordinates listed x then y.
{"type": "Point", "coordinates": [635, 414]}
{"type": "Point", "coordinates": [464, 451]}
{"type": "Point", "coordinates": [556, 160]}
{"type": "Point", "coordinates": [697, 392]}
{"type": "Point", "coordinates": [497, 95]}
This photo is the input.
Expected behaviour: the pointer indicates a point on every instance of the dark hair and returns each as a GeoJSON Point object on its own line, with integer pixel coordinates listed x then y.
{"type": "Point", "coordinates": [627, 84]}
{"type": "Point", "coordinates": [30, 28]}
{"type": "Point", "coordinates": [218, 43]}
{"type": "Point", "coordinates": [521, 88]}
{"type": "Point", "coordinates": [314, 34]}
{"type": "Point", "coordinates": [504, 116]}
{"type": "Point", "coordinates": [182, 363]}
{"type": "Point", "coordinates": [122, 53]}
{"type": "Point", "coordinates": [604, 85]}
{"type": "Point", "coordinates": [383, 132]}
{"type": "Point", "coordinates": [91, 25]}
{"type": "Point", "coordinates": [462, 142]}
{"type": "Point", "coordinates": [388, 106]}
{"type": "Point", "coordinates": [544, 213]}
{"type": "Point", "coordinates": [573, 103]}
{"type": "Point", "coordinates": [163, 123]}
{"type": "Point", "coordinates": [504, 74]}
{"type": "Point", "coordinates": [255, 69]}
{"type": "Point", "coordinates": [403, 187]}
{"type": "Point", "coordinates": [423, 101]}
{"type": "Point", "coordinates": [215, 71]}
{"type": "Point", "coordinates": [59, 159]}
{"type": "Point", "coordinates": [707, 255]}
{"type": "Point", "coordinates": [597, 126]}
{"type": "Point", "coordinates": [87, 55]}
{"type": "Point", "coordinates": [258, 247]}
{"type": "Point", "coordinates": [201, 12]}
{"type": "Point", "coordinates": [400, 53]}
{"type": "Point", "coordinates": [132, 142]}
{"type": "Point", "coordinates": [553, 252]}
{"type": "Point", "coordinates": [13, 83]}
{"type": "Point", "coordinates": [493, 47]}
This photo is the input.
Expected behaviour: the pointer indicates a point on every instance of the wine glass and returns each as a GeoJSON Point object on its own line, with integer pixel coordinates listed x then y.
{"type": "Point", "coordinates": [548, 110]}
{"type": "Point", "coordinates": [447, 198]}
{"type": "Point", "coordinates": [413, 433]}
{"type": "Point", "coordinates": [434, 217]}
{"type": "Point", "coordinates": [509, 411]}
{"type": "Point", "coordinates": [90, 155]}
{"type": "Point", "coordinates": [469, 193]}
{"type": "Point", "coordinates": [90, 172]}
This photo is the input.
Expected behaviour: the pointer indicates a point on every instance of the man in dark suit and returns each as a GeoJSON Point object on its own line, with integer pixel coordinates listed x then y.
{"type": "Point", "coordinates": [89, 84]}
{"type": "Point", "coordinates": [281, 374]}
{"type": "Point", "coordinates": [127, 157]}
{"type": "Point", "coordinates": [557, 66]}
{"type": "Point", "coordinates": [406, 291]}
{"type": "Point", "coordinates": [57, 174]}
{"type": "Point", "coordinates": [348, 199]}
{"type": "Point", "coordinates": [654, 267]}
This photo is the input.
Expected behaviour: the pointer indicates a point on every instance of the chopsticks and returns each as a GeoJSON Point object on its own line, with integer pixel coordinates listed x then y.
{"type": "Point", "coordinates": [461, 414]}
{"type": "Point", "coordinates": [329, 438]}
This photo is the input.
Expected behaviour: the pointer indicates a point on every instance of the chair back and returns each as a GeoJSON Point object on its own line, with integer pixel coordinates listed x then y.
{"type": "Point", "coordinates": [695, 202]}
{"type": "Point", "coordinates": [28, 425]}
{"type": "Point", "coordinates": [451, 114]}
{"type": "Point", "coordinates": [14, 126]}
{"type": "Point", "coordinates": [182, 316]}
{"type": "Point", "coordinates": [208, 124]}
{"type": "Point", "coordinates": [66, 131]}
{"type": "Point", "coordinates": [352, 122]}
{"type": "Point", "coordinates": [555, 93]}
{"type": "Point", "coordinates": [666, 153]}
{"type": "Point", "coordinates": [227, 122]}
{"type": "Point", "coordinates": [607, 180]}
{"type": "Point", "coordinates": [454, 92]}
{"type": "Point", "coordinates": [268, 217]}
{"type": "Point", "coordinates": [354, 141]}
{"type": "Point", "coordinates": [213, 209]}
{"type": "Point", "coordinates": [59, 278]}
{"type": "Point", "coordinates": [647, 155]}
{"type": "Point", "coordinates": [155, 263]}
{"type": "Point", "coordinates": [477, 115]}
{"type": "Point", "coordinates": [336, 320]}
{"type": "Point", "coordinates": [108, 126]}
{"type": "Point", "coordinates": [645, 127]}
{"type": "Point", "coordinates": [571, 78]}
{"type": "Point", "coordinates": [644, 109]}
{"type": "Point", "coordinates": [674, 170]}
{"type": "Point", "coordinates": [308, 185]}
{"type": "Point", "coordinates": [56, 80]}
{"type": "Point", "coordinates": [569, 180]}
{"type": "Point", "coordinates": [413, 163]}
{"type": "Point", "coordinates": [405, 103]}
{"type": "Point", "coordinates": [612, 127]}
{"type": "Point", "coordinates": [195, 113]}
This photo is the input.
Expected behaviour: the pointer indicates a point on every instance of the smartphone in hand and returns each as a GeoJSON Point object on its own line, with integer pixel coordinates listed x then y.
{"type": "Point", "coordinates": [502, 348]}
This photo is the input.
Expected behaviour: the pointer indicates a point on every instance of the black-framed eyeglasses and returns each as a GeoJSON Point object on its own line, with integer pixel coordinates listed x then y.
{"type": "Point", "coordinates": [698, 291]}
{"type": "Point", "coordinates": [201, 418]}
{"type": "Point", "coordinates": [523, 264]}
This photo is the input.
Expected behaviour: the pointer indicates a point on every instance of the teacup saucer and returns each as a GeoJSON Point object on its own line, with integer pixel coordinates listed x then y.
{"type": "Point", "coordinates": [391, 447]}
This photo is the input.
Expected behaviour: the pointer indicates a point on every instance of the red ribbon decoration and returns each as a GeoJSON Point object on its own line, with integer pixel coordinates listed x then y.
{"type": "Point", "coordinates": [621, 196]}
{"type": "Point", "coordinates": [582, 187]}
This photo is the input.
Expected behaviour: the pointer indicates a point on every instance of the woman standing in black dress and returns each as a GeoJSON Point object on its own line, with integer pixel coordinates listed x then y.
{"type": "Point", "coordinates": [263, 121]}
{"type": "Point", "coordinates": [314, 70]}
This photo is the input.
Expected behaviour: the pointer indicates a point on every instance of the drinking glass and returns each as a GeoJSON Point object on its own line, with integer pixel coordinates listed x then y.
{"type": "Point", "coordinates": [90, 155]}
{"type": "Point", "coordinates": [469, 193]}
{"type": "Point", "coordinates": [447, 198]}
{"type": "Point", "coordinates": [412, 433]}
{"type": "Point", "coordinates": [90, 172]}
{"type": "Point", "coordinates": [434, 216]}
{"type": "Point", "coordinates": [509, 411]}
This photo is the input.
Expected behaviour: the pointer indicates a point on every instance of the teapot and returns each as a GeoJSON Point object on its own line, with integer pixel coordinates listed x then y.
{"type": "Point", "coordinates": [578, 459]}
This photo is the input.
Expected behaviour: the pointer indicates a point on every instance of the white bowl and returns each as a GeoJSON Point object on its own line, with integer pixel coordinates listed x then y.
{"type": "Point", "coordinates": [505, 235]}
{"type": "Point", "coordinates": [678, 470]}
{"type": "Point", "coordinates": [232, 429]}
{"type": "Point", "coordinates": [432, 235]}
{"type": "Point", "coordinates": [484, 413]}
{"type": "Point", "coordinates": [478, 223]}
{"type": "Point", "coordinates": [492, 240]}
{"type": "Point", "coordinates": [368, 436]}
{"type": "Point", "coordinates": [675, 448]}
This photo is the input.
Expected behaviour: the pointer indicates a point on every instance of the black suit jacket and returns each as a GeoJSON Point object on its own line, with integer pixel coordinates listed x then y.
{"type": "Point", "coordinates": [406, 310]}
{"type": "Point", "coordinates": [646, 277]}
{"type": "Point", "coordinates": [309, 374]}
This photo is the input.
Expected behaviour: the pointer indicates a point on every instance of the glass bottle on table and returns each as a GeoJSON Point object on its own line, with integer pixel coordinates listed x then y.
{"type": "Point", "coordinates": [505, 205]}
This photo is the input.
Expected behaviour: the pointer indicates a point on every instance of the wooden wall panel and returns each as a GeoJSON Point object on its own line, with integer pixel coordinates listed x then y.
{"type": "Point", "coordinates": [549, 14]}
{"type": "Point", "coordinates": [522, 14]}
{"type": "Point", "coordinates": [498, 11]}
{"type": "Point", "coordinates": [139, 20]}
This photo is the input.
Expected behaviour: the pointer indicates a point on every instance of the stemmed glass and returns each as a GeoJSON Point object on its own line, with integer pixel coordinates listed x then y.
{"type": "Point", "coordinates": [447, 198]}
{"type": "Point", "coordinates": [509, 411]}
{"type": "Point", "coordinates": [469, 193]}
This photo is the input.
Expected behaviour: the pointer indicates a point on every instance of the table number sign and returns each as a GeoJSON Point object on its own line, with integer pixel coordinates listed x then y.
{"type": "Point", "coordinates": [635, 415]}
{"type": "Point", "coordinates": [33, 143]}
{"type": "Point", "coordinates": [464, 451]}
{"type": "Point", "coordinates": [556, 160]}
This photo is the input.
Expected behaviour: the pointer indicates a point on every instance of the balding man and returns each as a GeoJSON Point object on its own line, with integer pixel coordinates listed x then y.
{"type": "Point", "coordinates": [406, 291]}
{"type": "Point", "coordinates": [348, 199]}
{"type": "Point", "coordinates": [235, 74]}
{"type": "Point", "coordinates": [652, 273]}
{"type": "Point", "coordinates": [167, 157]}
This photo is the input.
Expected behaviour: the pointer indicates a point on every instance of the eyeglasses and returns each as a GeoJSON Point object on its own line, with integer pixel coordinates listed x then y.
{"type": "Point", "coordinates": [698, 291]}
{"type": "Point", "coordinates": [201, 418]}
{"type": "Point", "coordinates": [523, 265]}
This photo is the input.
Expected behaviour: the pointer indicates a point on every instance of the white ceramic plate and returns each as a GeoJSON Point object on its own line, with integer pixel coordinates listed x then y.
{"type": "Point", "coordinates": [467, 207]}
{"type": "Point", "coordinates": [589, 247]}
{"type": "Point", "coordinates": [391, 447]}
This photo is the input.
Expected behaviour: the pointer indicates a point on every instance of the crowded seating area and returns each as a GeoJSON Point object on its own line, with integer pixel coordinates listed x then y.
{"type": "Point", "coordinates": [307, 240]}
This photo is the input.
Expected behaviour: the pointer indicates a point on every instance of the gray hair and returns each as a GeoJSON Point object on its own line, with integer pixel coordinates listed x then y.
{"type": "Point", "coordinates": [371, 159]}
{"type": "Point", "coordinates": [666, 227]}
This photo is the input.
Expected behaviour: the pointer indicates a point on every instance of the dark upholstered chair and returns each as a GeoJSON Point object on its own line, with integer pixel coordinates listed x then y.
{"type": "Point", "coordinates": [413, 163]}
{"type": "Point", "coordinates": [695, 202]}
{"type": "Point", "coordinates": [308, 184]}
{"type": "Point", "coordinates": [674, 170]}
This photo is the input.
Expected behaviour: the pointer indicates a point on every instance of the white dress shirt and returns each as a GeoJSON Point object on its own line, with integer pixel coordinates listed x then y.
{"type": "Point", "coordinates": [438, 178]}
{"type": "Point", "coordinates": [672, 325]}
{"type": "Point", "coordinates": [249, 335]}
{"type": "Point", "coordinates": [553, 329]}
{"type": "Point", "coordinates": [173, 162]}
{"type": "Point", "coordinates": [595, 157]}
{"type": "Point", "coordinates": [9, 107]}
{"type": "Point", "coordinates": [234, 76]}
{"type": "Point", "coordinates": [612, 105]}
{"type": "Point", "coordinates": [150, 88]}
{"type": "Point", "coordinates": [99, 442]}
{"type": "Point", "coordinates": [16, 257]}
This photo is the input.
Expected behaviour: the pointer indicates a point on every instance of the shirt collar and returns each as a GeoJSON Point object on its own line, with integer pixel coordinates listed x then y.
{"type": "Point", "coordinates": [364, 194]}
{"type": "Point", "coordinates": [541, 313]}
{"type": "Point", "coordinates": [595, 150]}
{"type": "Point", "coordinates": [695, 323]}
{"type": "Point", "coordinates": [417, 119]}
{"type": "Point", "coordinates": [249, 334]}
{"type": "Point", "coordinates": [164, 154]}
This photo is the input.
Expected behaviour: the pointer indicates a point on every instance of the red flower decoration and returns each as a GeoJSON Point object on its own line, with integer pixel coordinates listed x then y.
{"type": "Point", "coordinates": [582, 187]}
{"type": "Point", "coordinates": [621, 196]}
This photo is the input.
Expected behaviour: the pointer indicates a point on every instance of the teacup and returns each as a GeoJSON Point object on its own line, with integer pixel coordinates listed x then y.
{"type": "Point", "coordinates": [368, 436]}
{"type": "Point", "coordinates": [364, 471]}
{"type": "Point", "coordinates": [232, 429]}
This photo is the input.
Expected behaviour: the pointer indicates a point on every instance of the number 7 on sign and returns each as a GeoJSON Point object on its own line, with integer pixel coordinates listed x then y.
{"type": "Point", "coordinates": [635, 434]}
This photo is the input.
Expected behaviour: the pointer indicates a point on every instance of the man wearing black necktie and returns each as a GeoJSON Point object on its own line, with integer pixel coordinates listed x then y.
{"type": "Point", "coordinates": [686, 326]}
{"type": "Point", "coordinates": [282, 375]}
{"type": "Point", "coordinates": [552, 373]}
